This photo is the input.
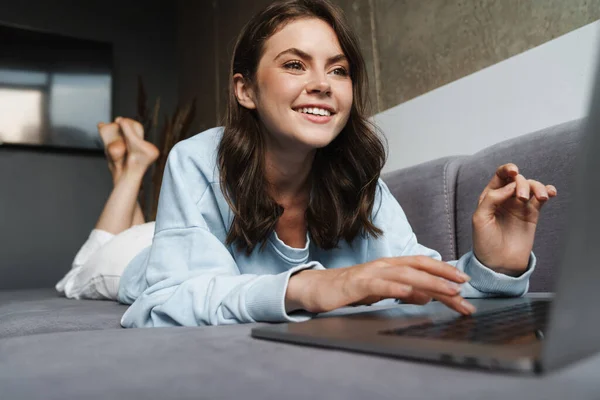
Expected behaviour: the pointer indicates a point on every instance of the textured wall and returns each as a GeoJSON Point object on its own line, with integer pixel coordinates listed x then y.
{"type": "Point", "coordinates": [426, 44]}
{"type": "Point", "coordinates": [410, 46]}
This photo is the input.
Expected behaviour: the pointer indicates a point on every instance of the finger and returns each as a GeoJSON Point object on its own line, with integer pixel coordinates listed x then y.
{"type": "Point", "coordinates": [417, 297]}
{"type": "Point", "coordinates": [387, 289]}
{"type": "Point", "coordinates": [367, 301]}
{"type": "Point", "coordinates": [523, 189]}
{"type": "Point", "coordinates": [552, 192]}
{"type": "Point", "coordinates": [539, 191]}
{"type": "Point", "coordinates": [420, 280]}
{"type": "Point", "coordinates": [504, 174]}
{"type": "Point", "coordinates": [430, 265]}
{"type": "Point", "coordinates": [495, 198]}
{"type": "Point", "coordinates": [536, 204]}
{"type": "Point", "coordinates": [457, 303]}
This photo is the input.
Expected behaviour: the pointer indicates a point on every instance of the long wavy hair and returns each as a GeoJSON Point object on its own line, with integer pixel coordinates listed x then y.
{"type": "Point", "coordinates": [344, 173]}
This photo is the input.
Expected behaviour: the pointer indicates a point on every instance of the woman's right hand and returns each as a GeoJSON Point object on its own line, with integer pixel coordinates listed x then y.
{"type": "Point", "coordinates": [413, 279]}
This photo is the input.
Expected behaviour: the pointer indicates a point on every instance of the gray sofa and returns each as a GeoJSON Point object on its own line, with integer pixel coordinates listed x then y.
{"type": "Point", "coordinates": [51, 347]}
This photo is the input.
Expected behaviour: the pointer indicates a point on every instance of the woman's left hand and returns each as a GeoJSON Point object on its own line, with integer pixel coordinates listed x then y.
{"type": "Point", "coordinates": [505, 220]}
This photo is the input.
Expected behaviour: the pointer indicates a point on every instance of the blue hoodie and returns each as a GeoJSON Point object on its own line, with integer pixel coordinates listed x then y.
{"type": "Point", "coordinates": [190, 277]}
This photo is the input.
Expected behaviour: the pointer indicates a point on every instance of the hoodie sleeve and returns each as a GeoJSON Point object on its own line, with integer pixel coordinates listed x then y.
{"type": "Point", "coordinates": [400, 240]}
{"type": "Point", "coordinates": [188, 275]}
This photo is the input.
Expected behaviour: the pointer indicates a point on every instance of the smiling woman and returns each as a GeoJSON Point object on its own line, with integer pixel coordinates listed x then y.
{"type": "Point", "coordinates": [281, 213]}
{"type": "Point", "coordinates": [291, 108]}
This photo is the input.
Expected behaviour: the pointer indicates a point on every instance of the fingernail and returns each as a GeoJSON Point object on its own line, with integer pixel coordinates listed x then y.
{"type": "Point", "coordinates": [468, 306]}
{"type": "Point", "coordinates": [462, 276]}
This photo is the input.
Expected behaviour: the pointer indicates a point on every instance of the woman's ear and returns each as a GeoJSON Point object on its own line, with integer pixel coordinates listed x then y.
{"type": "Point", "coordinates": [243, 92]}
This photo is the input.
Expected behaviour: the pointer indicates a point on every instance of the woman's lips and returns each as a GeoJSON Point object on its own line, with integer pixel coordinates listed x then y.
{"type": "Point", "coordinates": [317, 119]}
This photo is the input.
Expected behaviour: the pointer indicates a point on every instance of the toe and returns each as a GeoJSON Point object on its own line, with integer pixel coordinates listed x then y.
{"type": "Point", "coordinates": [109, 133]}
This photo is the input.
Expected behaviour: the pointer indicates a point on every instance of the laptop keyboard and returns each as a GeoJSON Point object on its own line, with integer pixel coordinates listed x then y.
{"type": "Point", "coordinates": [512, 324]}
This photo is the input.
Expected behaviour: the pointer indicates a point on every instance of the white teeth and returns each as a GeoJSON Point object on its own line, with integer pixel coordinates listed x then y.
{"type": "Point", "coordinates": [314, 111]}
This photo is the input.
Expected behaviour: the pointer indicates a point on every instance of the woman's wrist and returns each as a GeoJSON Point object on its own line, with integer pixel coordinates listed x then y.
{"type": "Point", "coordinates": [296, 288]}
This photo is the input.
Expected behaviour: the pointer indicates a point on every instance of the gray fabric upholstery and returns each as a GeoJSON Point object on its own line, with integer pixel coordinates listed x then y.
{"type": "Point", "coordinates": [547, 156]}
{"type": "Point", "coordinates": [28, 312]}
{"type": "Point", "coordinates": [224, 362]}
{"type": "Point", "coordinates": [426, 194]}
{"type": "Point", "coordinates": [54, 348]}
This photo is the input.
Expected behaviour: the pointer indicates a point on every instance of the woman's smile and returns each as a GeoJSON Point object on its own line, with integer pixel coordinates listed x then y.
{"type": "Point", "coordinates": [318, 114]}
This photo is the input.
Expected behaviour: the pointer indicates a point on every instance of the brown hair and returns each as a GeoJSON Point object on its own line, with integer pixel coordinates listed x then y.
{"type": "Point", "coordinates": [344, 173]}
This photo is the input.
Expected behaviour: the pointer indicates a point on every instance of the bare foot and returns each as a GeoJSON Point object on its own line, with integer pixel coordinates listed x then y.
{"type": "Point", "coordinates": [116, 152]}
{"type": "Point", "coordinates": [140, 153]}
{"type": "Point", "coordinates": [114, 147]}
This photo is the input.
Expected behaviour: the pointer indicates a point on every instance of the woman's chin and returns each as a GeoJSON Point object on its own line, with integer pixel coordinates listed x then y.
{"type": "Point", "coordinates": [317, 139]}
{"type": "Point", "coordinates": [316, 143]}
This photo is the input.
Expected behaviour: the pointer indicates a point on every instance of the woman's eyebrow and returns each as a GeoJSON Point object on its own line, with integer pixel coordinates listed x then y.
{"type": "Point", "coordinates": [336, 59]}
{"type": "Point", "coordinates": [304, 55]}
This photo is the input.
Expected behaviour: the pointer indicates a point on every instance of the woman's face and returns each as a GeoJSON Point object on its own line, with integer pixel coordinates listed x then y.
{"type": "Point", "coordinates": [304, 91]}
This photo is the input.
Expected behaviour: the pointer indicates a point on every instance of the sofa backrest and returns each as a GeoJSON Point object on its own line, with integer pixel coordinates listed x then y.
{"type": "Point", "coordinates": [426, 194]}
{"type": "Point", "coordinates": [440, 196]}
{"type": "Point", "coordinates": [547, 156]}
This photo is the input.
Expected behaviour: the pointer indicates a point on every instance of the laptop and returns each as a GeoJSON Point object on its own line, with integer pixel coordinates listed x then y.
{"type": "Point", "coordinates": [533, 334]}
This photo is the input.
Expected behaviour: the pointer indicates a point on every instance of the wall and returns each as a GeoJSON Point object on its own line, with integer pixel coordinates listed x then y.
{"type": "Point", "coordinates": [49, 201]}
{"type": "Point", "coordinates": [541, 87]}
{"type": "Point", "coordinates": [423, 45]}
{"type": "Point", "coordinates": [410, 47]}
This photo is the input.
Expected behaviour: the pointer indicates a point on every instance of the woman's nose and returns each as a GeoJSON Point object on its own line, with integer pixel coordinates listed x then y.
{"type": "Point", "coordinates": [319, 84]}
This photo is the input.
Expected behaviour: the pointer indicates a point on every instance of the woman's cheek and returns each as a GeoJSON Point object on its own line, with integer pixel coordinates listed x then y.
{"type": "Point", "coordinates": [345, 96]}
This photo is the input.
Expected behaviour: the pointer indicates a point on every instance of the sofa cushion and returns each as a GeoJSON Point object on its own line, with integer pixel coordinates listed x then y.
{"type": "Point", "coordinates": [28, 312]}
{"type": "Point", "coordinates": [224, 362]}
{"type": "Point", "coordinates": [426, 194]}
{"type": "Point", "coordinates": [547, 156]}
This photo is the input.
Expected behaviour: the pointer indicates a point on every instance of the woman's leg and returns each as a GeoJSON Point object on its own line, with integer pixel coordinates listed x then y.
{"type": "Point", "coordinates": [129, 158]}
{"type": "Point", "coordinates": [116, 153]}
{"type": "Point", "coordinates": [138, 215]}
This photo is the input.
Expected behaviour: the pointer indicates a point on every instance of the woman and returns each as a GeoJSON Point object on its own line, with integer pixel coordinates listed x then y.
{"type": "Point", "coordinates": [281, 214]}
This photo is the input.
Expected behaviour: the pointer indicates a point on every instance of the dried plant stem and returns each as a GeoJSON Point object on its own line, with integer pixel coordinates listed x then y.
{"type": "Point", "coordinates": [172, 131]}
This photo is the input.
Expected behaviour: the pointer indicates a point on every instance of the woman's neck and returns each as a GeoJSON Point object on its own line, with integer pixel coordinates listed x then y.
{"type": "Point", "coordinates": [288, 175]}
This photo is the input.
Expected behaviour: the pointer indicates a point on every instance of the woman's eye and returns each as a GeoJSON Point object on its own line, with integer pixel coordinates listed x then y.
{"type": "Point", "coordinates": [340, 71]}
{"type": "Point", "coordinates": [294, 65]}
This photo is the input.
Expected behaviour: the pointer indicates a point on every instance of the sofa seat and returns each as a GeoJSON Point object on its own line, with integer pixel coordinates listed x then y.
{"type": "Point", "coordinates": [29, 312]}
{"type": "Point", "coordinates": [224, 362]}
